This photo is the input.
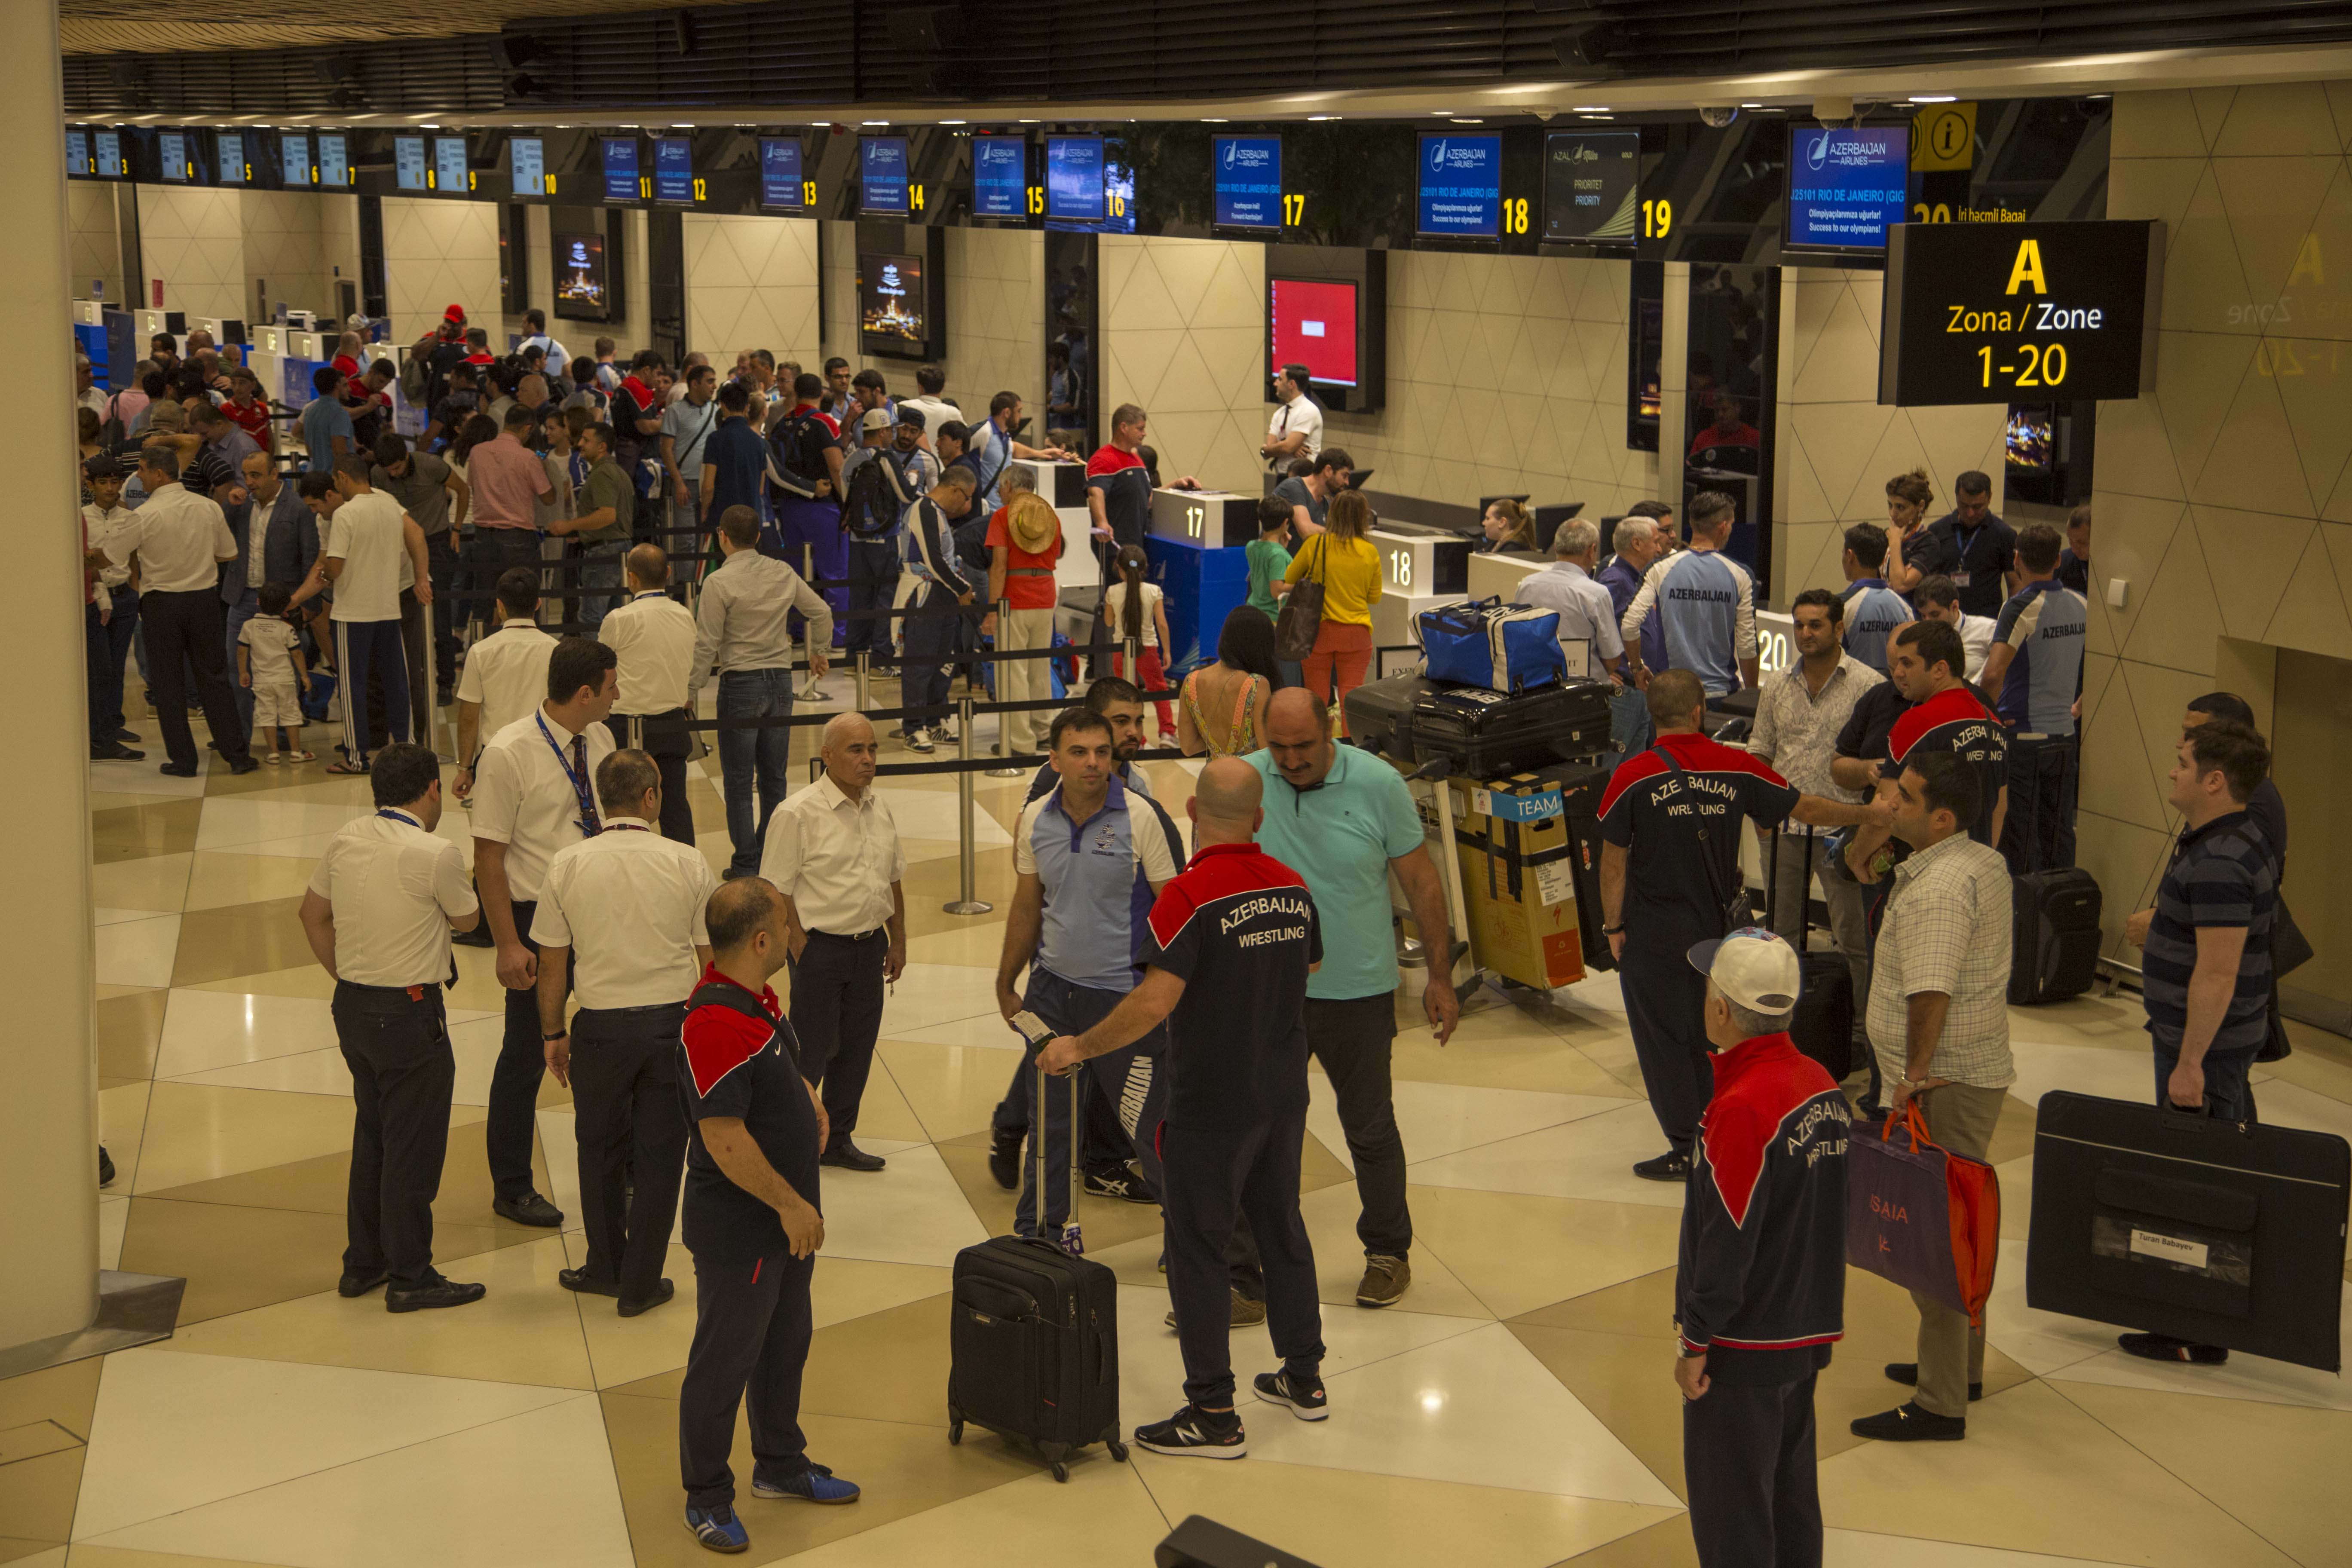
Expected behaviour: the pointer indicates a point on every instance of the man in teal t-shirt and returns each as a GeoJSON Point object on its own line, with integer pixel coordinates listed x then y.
{"type": "Point", "coordinates": [1269, 556]}
{"type": "Point", "coordinates": [1343, 819]}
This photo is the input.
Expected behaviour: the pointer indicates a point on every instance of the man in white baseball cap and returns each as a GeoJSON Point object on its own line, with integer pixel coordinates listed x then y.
{"type": "Point", "coordinates": [1759, 1287]}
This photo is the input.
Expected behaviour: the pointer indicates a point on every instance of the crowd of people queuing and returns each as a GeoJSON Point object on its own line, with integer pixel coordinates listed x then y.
{"type": "Point", "coordinates": [1928, 722]}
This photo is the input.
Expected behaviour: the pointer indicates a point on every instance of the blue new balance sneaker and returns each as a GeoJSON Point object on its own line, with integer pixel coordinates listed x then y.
{"type": "Point", "coordinates": [719, 1529]}
{"type": "Point", "coordinates": [815, 1484]}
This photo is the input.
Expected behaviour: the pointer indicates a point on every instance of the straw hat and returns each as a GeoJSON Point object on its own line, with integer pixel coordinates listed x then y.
{"type": "Point", "coordinates": [1032, 523]}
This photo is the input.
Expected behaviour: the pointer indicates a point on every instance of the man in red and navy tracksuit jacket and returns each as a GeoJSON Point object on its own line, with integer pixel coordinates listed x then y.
{"type": "Point", "coordinates": [1759, 1287]}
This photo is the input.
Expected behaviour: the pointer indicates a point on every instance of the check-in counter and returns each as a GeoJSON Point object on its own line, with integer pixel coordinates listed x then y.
{"type": "Point", "coordinates": [1218, 520]}
{"type": "Point", "coordinates": [1418, 559]}
{"type": "Point", "coordinates": [1498, 575]}
{"type": "Point", "coordinates": [1395, 622]}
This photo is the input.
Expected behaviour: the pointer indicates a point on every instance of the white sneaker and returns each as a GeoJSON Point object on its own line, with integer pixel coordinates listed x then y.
{"type": "Point", "coordinates": [918, 740]}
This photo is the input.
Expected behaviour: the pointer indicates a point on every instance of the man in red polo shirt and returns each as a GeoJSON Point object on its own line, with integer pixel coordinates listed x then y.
{"type": "Point", "coordinates": [637, 411]}
{"type": "Point", "coordinates": [1927, 664]}
{"type": "Point", "coordinates": [1118, 490]}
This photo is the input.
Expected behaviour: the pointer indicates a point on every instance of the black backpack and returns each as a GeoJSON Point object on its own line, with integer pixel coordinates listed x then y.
{"type": "Point", "coordinates": [801, 441]}
{"type": "Point", "coordinates": [872, 508]}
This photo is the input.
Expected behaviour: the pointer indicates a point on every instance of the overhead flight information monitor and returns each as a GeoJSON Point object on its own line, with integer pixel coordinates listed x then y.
{"type": "Point", "coordinates": [527, 165]}
{"type": "Point", "coordinates": [782, 186]}
{"type": "Point", "coordinates": [449, 165]}
{"type": "Point", "coordinates": [882, 176]}
{"type": "Point", "coordinates": [106, 152]}
{"type": "Point", "coordinates": [2018, 312]}
{"type": "Point", "coordinates": [294, 158]}
{"type": "Point", "coordinates": [1247, 172]}
{"type": "Point", "coordinates": [620, 154]}
{"type": "Point", "coordinates": [1000, 176]}
{"type": "Point", "coordinates": [1073, 179]}
{"type": "Point", "coordinates": [334, 160]}
{"type": "Point", "coordinates": [674, 170]}
{"type": "Point", "coordinates": [1846, 186]}
{"type": "Point", "coordinates": [1592, 185]}
{"type": "Point", "coordinates": [172, 151]}
{"type": "Point", "coordinates": [408, 162]}
{"type": "Point", "coordinates": [78, 154]}
{"type": "Point", "coordinates": [1460, 192]}
{"type": "Point", "coordinates": [231, 147]}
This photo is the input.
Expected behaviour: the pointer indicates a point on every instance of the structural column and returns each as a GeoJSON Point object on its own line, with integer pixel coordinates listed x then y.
{"type": "Point", "coordinates": [48, 1084]}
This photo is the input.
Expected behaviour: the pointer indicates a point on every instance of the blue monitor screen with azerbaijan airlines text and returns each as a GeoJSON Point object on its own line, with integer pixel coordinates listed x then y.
{"type": "Point", "coordinates": [1846, 184]}
{"type": "Point", "coordinates": [780, 173]}
{"type": "Point", "coordinates": [1248, 174]}
{"type": "Point", "coordinates": [1460, 192]}
{"type": "Point", "coordinates": [1000, 176]}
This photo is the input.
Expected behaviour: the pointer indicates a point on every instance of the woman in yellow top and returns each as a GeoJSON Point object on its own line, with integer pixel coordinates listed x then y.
{"type": "Point", "coordinates": [1348, 565]}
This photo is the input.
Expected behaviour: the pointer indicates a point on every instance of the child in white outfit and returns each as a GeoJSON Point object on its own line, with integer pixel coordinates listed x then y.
{"type": "Point", "coordinates": [269, 661]}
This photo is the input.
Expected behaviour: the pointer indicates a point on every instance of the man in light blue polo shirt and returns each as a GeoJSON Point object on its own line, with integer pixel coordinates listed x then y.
{"type": "Point", "coordinates": [1090, 857]}
{"type": "Point", "coordinates": [1872, 609]}
{"type": "Point", "coordinates": [1343, 819]}
{"type": "Point", "coordinates": [1706, 602]}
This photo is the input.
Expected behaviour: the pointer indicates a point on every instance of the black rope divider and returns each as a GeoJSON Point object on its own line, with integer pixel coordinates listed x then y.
{"type": "Point", "coordinates": [944, 709]}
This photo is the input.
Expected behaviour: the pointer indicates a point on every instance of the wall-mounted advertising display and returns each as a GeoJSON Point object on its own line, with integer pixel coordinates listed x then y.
{"type": "Point", "coordinates": [2018, 312]}
{"type": "Point", "coordinates": [1247, 174]}
{"type": "Point", "coordinates": [1461, 187]}
{"type": "Point", "coordinates": [1592, 185]}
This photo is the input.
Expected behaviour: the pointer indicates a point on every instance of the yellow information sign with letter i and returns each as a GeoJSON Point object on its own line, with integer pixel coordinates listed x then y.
{"type": "Point", "coordinates": [1944, 136]}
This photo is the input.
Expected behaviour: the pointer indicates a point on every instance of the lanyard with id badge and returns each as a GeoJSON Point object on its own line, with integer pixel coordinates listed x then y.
{"type": "Point", "coordinates": [589, 824]}
{"type": "Point", "coordinates": [416, 993]}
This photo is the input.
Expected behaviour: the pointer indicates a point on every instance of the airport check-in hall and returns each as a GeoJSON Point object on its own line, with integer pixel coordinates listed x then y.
{"type": "Point", "coordinates": [853, 777]}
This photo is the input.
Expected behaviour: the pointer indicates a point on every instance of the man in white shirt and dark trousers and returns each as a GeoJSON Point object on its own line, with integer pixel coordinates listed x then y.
{"type": "Point", "coordinates": [629, 902]}
{"type": "Point", "coordinates": [833, 852]}
{"type": "Point", "coordinates": [361, 558]}
{"type": "Point", "coordinates": [1296, 428]}
{"type": "Point", "coordinates": [534, 795]}
{"type": "Point", "coordinates": [506, 672]}
{"type": "Point", "coordinates": [181, 540]}
{"type": "Point", "coordinates": [653, 636]}
{"type": "Point", "coordinates": [1587, 615]}
{"type": "Point", "coordinates": [744, 627]}
{"type": "Point", "coordinates": [378, 913]}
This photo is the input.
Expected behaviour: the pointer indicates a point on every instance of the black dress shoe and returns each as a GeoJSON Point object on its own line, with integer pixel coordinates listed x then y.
{"type": "Point", "coordinates": [114, 752]}
{"type": "Point", "coordinates": [528, 1209]}
{"type": "Point", "coordinates": [1910, 1424]}
{"type": "Point", "coordinates": [662, 1293]}
{"type": "Point", "coordinates": [105, 1167]}
{"type": "Point", "coordinates": [355, 1284]}
{"type": "Point", "coordinates": [178, 769]}
{"type": "Point", "coordinates": [1906, 1372]}
{"type": "Point", "coordinates": [848, 1156]}
{"type": "Point", "coordinates": [243, 766]}
{"type": "Point", "coordinates": [120, 734]}
{"type": "Point", "coordinates": [1671, 1166]}
{"type": "Point", "coordinates": [587, 1284]}
{"type": "Point", "coordinates": [440, 1293]}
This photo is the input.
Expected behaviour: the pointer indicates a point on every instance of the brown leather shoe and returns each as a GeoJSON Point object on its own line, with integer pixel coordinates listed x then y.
{"type": "Point", "coordinates": [1385, 1281]}
{"type": "Point", "coordinates": [1247, 1314]}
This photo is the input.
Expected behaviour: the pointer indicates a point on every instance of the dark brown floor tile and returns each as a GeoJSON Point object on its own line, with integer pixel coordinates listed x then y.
{"type": "Point", "coordinates": [1104, 1223]}
{"type": "Point", "coordinates": [13, 1548]}
{"type": "Point", "coordinates": [131, 832]}
{"type": "Point", "coordinates": [1643, 1306]}
{"type": "Point", "coordinates": [45, 1416]}
{"type": "Point", "coordinates": [236, 1258]}
{"type": "Point", "coordinates": [242, 939]}
{"type": "Point", "coordinates": [319, 1186]}
{"type": "Point", "coordinates": [37, 1496]}
{"type": "Point", "coordinates": [903, 1469]}
{"type": "Point", "coordinates": [64, 1394]}
{"type": "Point", "coordinates": [2012, 1136]}
{"type": "Point", "coordinates": [1627, 1382]}
{"type": "Point", "coordinates": [129, 1029]}
{"type": "Point", "coordinates": [1665, 1544]}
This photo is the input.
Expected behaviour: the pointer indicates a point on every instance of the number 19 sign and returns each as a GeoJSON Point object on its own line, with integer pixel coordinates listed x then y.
{"type": "Point", "coordinates": [2019, 312]}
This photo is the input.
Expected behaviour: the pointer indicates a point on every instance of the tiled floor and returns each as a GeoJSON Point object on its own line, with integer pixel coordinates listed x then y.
{"type": "Point", "coordinates": [1517, 1410]}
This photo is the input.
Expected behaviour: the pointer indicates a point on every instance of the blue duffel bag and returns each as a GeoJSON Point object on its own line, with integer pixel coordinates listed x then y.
{"type": "Point", "coordinates": [1503, 648]}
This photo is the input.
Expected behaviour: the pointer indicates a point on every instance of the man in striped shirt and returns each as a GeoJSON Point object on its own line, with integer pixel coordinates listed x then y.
{"type": "Point", "coordinates": [2206, 975]}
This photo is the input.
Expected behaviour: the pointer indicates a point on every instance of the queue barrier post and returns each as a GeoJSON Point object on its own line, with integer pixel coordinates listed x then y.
{"type": "Point", "coordinates": [865, 680]}
{"type": "Point", "coordinates": [812, 691]}
{"type": "Point", "coordinates": [1003, 729]}
{"type": "Point", "coordinates": [968, 902]}
{"type": "Point", "coordinates": [636, 724]}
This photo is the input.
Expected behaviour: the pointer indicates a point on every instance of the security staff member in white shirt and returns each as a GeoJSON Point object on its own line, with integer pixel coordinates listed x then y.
{"type": "Point", "coordinates": [1296, 428]}
{"type": "Point", "coordinates": [1588, 617]}
{"type": "Point", "coordinates": [378, 913]}
{"type": "Point", "coordinates": [534, 794]}
{"type": "Point", "coordinates": [506, 672]}
{"type": "Point", "coordinates": [181, 540]}
{"type": "Point", "coordinates": [833, 851]}
{"type": "Point", "coordinates": [629, 902]}
{"type": "Point", "coordinates": [653, 636]}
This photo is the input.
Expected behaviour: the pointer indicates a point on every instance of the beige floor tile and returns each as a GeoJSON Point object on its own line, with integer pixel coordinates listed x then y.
{"type": "Point", "coordinates": [904, 1471]}
{"type": "Point", "coordinates": [86, 1555]}
{"type": "Point", "coordinates": [51, 1410]}
{"type": "Point", "coordinates": [977, 943]}
{"type": "Point", "coordinates": [129, 1027]}
{"type": "Point", "coordinates": [136, 832]}
{"type": "Point", "coordinates": [122, 1122]}
{"type": "Point", "coordinates": [2271, 1468]}
{"type": "Point", "coordinates": [219, 881]}
{"type": "Point", "coordinates": [2322, 1063]}
{"type": "Point", "coordinates": [953, 1089]}
{"type": "Point", "coordinates": [1528, 1058]}
{"type": "Point", "coordinates": [1373, 1521]}
{"type": "Point", "coordinates": [201, 1132]}
{"type": "Point", "coordinates": [240, 939]}
{"type": "Point", "coordinates": [1104, 1224]}
{"type": "Point", "coordinates": [31, 1554]}
{"type": "Point", "coordinates": [305, 980]}
{"type": "Point", "coordinates": [1667, 1544]}
{"type": "Point", "coordinates": [235, 1260]}
{"type": "Point", "coordinates": [1103, 1514]}
{"type": "Point", "coordinates": [884, 1115]}
{"type": "Point", "coordinates": [2065, 1485]}
{"type": "Point", "coordinates": [527, 1329]}
{"type": "Point", "coordinates": [158, 882]}
{"type": "Point", "coordinates": [1517, 1252]}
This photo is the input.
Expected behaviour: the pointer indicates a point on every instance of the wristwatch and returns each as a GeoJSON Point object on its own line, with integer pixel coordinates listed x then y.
{"type": "Point", "coordinates": [1689, 1355]}
{"type": "Point", "coordinates": [546, 1038]}
{"type": "Point", "coordinates": [1612, 930]}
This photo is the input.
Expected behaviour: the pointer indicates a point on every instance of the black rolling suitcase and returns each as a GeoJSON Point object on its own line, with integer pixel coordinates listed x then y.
{"type": "Point", "coordinates": [1581, 786]}
{"type": "Point", "coordinates": [2054, 943]}
{"type": "Point", "coordinates": [2219, 1233]}
{"type": "Point", "coordinates": [1481, 735]}
{"type": "Point", "coordinates": [1033, 1337]}
{"type": "Point", "coordinates": [1823, 1026]}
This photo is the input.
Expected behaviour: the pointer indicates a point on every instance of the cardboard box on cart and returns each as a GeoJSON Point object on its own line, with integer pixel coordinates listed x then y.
{"type": "Point", "coordinates": [1517, 864]}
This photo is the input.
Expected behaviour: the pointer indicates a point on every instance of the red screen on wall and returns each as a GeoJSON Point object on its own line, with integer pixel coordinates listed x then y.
{"type": "Point", "coordinates": [1314, 324]}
